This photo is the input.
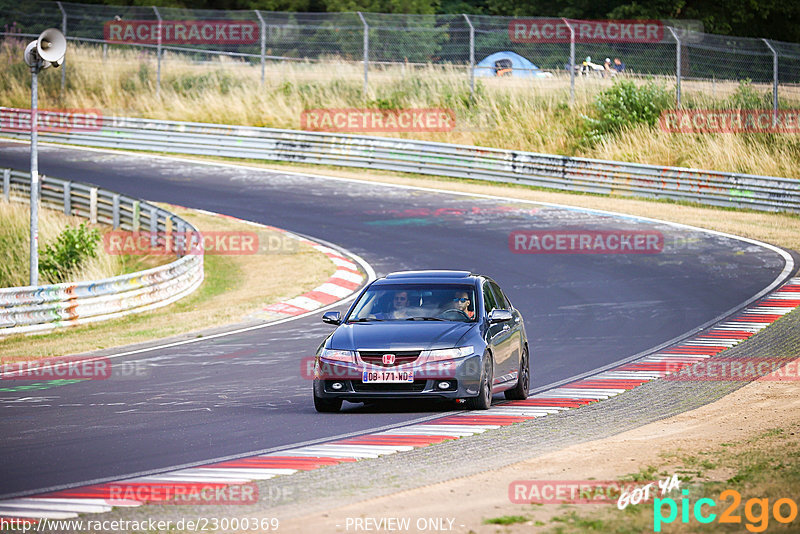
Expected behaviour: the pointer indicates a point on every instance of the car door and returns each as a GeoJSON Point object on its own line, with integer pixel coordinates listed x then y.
{"type": "Point", "coordinates": [514, 327]}
{"type": "Point", "coordinates": [499, 339]}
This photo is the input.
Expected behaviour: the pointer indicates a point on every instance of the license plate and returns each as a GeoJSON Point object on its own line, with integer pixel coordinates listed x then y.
{"type": "Point", "coordinates": [387, 376]}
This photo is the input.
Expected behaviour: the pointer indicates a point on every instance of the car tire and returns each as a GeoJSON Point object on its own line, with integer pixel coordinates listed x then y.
{"type": "Point", "coordinates": [484, 399]}
{"type": "Point", "coordinates": [327, 405]}
{"type": "Point", "coordinates": [520, 391]}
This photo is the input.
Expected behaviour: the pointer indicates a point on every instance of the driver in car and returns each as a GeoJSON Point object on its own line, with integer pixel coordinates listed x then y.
{"type": "Point", "coordinates": [461, 303]}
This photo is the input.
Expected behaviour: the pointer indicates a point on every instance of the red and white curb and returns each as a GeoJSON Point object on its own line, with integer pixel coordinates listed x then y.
{"type": "Point", "coordinates": [69, 503]}
{"type": "Point", "coordinates": [343, 283]}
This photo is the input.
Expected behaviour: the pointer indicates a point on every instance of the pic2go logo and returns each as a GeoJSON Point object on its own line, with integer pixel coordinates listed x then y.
{"type": "Point", "coordinates": [756, 511]}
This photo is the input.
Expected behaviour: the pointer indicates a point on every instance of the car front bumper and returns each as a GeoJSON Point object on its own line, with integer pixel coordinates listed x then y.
{"type": "Point", "coordinates": [462, 377]}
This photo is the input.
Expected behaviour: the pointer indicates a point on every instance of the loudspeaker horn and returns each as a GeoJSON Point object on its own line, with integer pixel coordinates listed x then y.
{"type": "Point", "coordinates": [52, 46]}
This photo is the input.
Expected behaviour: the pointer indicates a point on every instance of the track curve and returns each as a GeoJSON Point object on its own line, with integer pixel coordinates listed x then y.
{"type": "Point", "coordinates": [244, 392]}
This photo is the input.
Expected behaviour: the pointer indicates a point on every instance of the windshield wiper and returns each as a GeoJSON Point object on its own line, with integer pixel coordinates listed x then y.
{"type": "Point", "coordinates": [424, 319]}
{"type": "Point", "coordinates": [365, 320]}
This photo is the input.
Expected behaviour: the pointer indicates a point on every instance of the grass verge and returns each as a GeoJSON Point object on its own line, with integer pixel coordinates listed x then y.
{"type": "Point", "coordinates": [761, 469]}
{"type": "Point", "coordinates": [234, 286]}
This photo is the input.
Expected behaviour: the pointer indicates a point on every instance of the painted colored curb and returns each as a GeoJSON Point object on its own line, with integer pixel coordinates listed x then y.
{"type": "Point", "coordinates": [69, 503]}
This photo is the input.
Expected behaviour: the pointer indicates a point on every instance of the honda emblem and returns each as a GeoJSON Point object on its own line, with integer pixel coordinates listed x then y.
{"type": "Point", "coordinates": [388, 359]}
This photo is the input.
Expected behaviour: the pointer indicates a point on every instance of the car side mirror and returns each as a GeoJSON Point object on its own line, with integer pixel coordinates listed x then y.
{"type": "Point", "coordinates": [499, 316]}
{"type": "Point", "coordinates": [332, 317]}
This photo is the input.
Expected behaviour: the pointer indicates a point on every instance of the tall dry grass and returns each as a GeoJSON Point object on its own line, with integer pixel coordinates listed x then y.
{"type": "Point", "coordinates": [15, 247]}
{"type": "Point", "coordinates": [518, 114]}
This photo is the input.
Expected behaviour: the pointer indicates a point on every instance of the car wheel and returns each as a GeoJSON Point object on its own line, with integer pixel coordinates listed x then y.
{"type": "Point", "coordinates": [484, 399]}
{"type": "Point", "coordinates": [327, 405]}
{"type": "Point", "coordinates": [520, 391]}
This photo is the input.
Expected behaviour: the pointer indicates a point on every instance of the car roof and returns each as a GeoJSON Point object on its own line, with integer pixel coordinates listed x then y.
{"type": "Point", "coordinates": [432, 276]}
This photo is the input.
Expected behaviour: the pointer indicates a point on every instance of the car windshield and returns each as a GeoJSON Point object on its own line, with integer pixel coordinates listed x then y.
{"type": "Point", "coordinates": [415, 302]}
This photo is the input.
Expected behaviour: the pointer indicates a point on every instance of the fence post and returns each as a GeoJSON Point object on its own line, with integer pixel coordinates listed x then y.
{"type": "Point", "coordinates": [93, 205]}
{"type": "Point", "coordinates": [67, 198]}
{"type": "Point", "coordinates": [64, 31]}
{"type": "Point", "coordinates": [7, 184]}
{"type": "Point", "coordinates": [677, 66]}
{"type": "Point", "coordinates": [158, 52]}
{"type": "Point", "coordinates": [115, 211]}
{"type": "Point", "coordinates": [366, 51]}
{"type": "Point", "coordinates": [471, 56]}
{"type": "Point", "coordinates": [774, 82]}
{"type": "Point", "coordinates": [153, 227]}
{"type": "Point", "coordinates": [136, 215]}
{"type": "Point", "coordinates": [263, 44]}
{"type": "Point", "coordinates": [571, 62]}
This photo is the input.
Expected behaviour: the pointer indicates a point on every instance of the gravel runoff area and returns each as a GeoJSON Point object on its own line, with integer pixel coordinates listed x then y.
{"type": "Point", "coordinates": [309, 492]}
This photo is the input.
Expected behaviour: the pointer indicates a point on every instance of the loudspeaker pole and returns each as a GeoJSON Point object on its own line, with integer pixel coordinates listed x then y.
{"type": "Point", "coordinates": [48, 50]}
{"type": "Point", "coordinates": [34, 258]}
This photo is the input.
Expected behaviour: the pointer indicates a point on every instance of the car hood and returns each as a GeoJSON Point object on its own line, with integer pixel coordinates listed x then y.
{"type": "Point", "coordinates": [399, 335]}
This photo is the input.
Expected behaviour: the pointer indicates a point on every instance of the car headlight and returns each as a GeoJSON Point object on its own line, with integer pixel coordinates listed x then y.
{"type": "Point", "coordinates": [347, 356]}
{"type": "Point", "coordinates": [447, 354]}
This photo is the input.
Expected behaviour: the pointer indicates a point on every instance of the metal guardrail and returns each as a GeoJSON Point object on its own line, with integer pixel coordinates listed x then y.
{"type": "Point", "coordinates": [423, 157]}
{"type": "Point", "coordinates": [39, 308]}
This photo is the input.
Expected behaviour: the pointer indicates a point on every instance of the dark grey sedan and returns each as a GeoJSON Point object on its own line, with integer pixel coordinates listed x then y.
{"type": "Point", "coordinates": [424, 334]}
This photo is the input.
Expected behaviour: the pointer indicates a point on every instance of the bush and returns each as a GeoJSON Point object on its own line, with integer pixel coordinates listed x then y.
{"type": "Point", "coordinates": [71, 248]}
{"type": "Point", "coordinates": [747, 97]}
{"type": "Point", "coordinates": [626, 104]}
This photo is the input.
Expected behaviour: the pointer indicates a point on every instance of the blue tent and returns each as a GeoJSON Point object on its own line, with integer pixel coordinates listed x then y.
{"type": "Point", "coordinates": [508, 64]}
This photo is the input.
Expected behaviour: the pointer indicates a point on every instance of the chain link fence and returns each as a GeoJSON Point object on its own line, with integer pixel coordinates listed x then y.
{"type": "Point", "coordinates": [365, 45]}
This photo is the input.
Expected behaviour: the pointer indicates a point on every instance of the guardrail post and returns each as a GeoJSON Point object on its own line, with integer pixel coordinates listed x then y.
{"type": "Point", "coordinates": [366, 51]}
{"type": "Point", "coordinates": [153, 227]}
{"type": "Point", "coordinates": [677, 66]}
{"type": "Point", "coordinates": [93, 205]}
{"type": "Point", "coordinates": [115, 211]}
{"type": "Point", "coordinates": [136, 215]}
{"type": "Point", "coordinates": [64, 31]}
{"type": "Point", "coordinates": [263, 44]}
{"type": "Point", "coordinates": [67, 198]}
{"type": "Point", "coordinates": [7, 184]}
{"type": "Point", "coordinates": [180, 241]}
{"type": "Point", "coordinates": [158, 52]}
{"type": "Point", "coordinates": [774, 82]}
{"type": "Point", "coordinates": [471, 56]}
{"type": "Point", "coordinates": [571, 62]}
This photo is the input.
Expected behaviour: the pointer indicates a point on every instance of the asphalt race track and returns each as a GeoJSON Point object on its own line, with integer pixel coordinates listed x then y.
{"type": "Point", "coordinates": [244, 392]}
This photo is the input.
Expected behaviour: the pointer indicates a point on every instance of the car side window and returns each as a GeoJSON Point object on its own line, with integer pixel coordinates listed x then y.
{"type": "Point", "coordinates": [501, 298]}
{"type": "Point", "coordinates": [488, 298]}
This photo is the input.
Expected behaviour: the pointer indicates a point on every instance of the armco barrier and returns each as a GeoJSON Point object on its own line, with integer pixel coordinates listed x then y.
{"type": "Point", "coordinates": [441, 159]}
{"type": "Point", "coordinates": [34, 309]}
